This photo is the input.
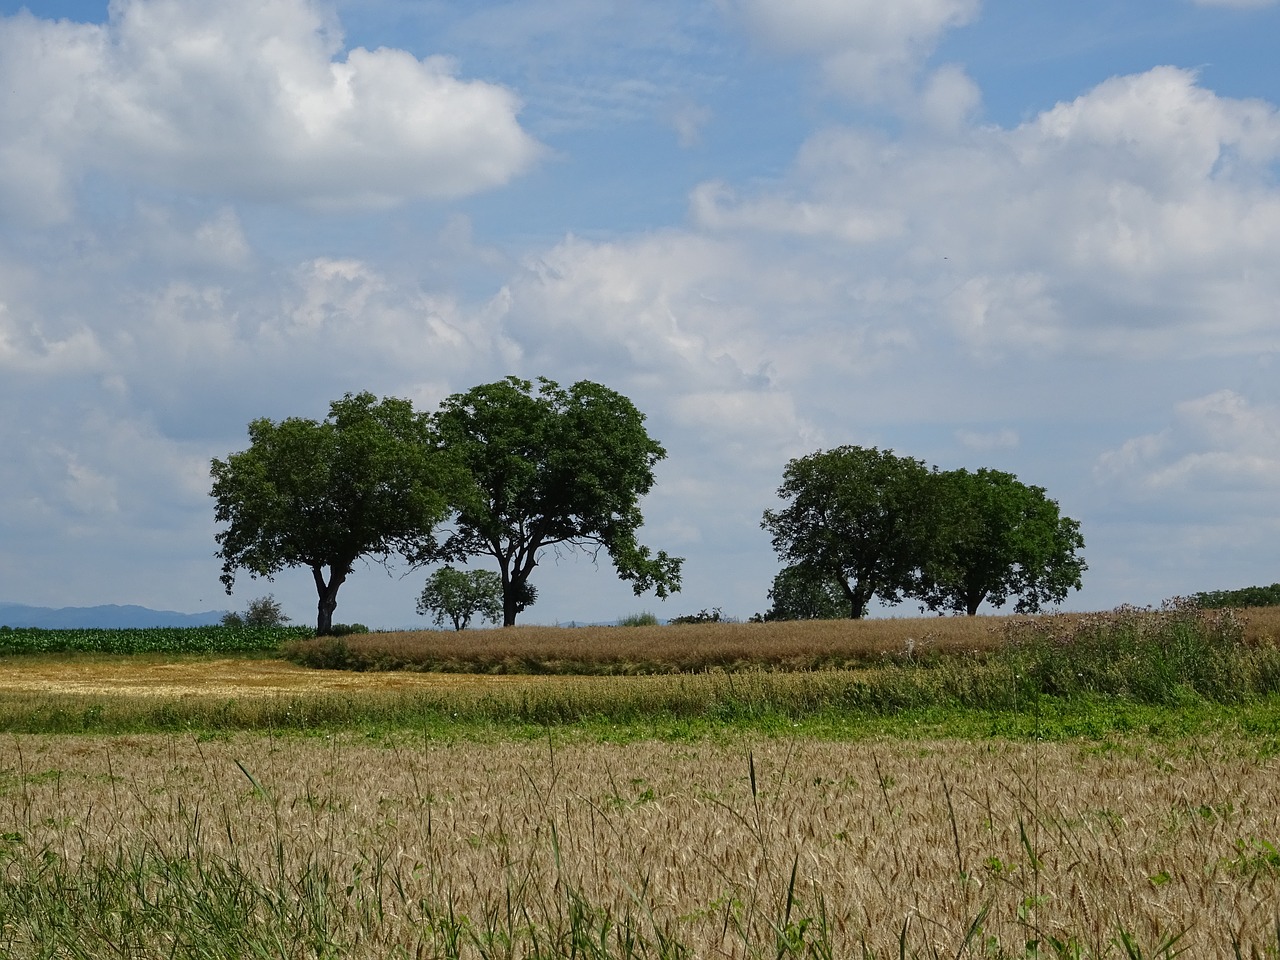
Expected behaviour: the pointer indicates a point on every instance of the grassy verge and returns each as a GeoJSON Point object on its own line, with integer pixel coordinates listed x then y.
{"type": "Point", "coordinates": [622, 710]}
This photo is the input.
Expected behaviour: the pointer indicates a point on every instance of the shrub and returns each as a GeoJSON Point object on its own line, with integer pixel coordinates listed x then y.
{"type": "Point", "coordinates": [346, 629]}
{"type": "Point", "coordinates": [262, 612]}
{"type": "Point", "coordinates": [702, 616]}
{"type": "Point", "coordinates": [645, 619]}
{"type": "Point", "coordinates": [1244, 597]}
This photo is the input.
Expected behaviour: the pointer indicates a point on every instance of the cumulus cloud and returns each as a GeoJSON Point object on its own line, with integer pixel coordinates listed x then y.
{"type": "Point", "coordinates": [1219, 446]}
{"type": "Point", "coordinates": [868, 49]}
{"type": "Point", "coordinates": [1146, 203]}
{"type": "Point", "coordinates": [245, 99]}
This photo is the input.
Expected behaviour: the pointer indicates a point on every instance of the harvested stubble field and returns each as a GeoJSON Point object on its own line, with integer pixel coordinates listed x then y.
{"type": "Point", "coordinates": [164, 846]}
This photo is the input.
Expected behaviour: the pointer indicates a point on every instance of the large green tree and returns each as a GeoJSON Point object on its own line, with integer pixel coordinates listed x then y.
{"type": "Point", "coordinates": [548, 467]}
{"type": "Point", "coordinates": [368, 481]}
{"type": "Point", "coordinates": [858, 518]}
{"type": "Point", "coordinates": [999, 538]}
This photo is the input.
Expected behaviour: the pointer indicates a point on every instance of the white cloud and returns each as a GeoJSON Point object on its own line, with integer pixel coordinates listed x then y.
{"type": "Point", "coordinates": [25, 347]}
{"type": "Point", "coordinates": [1002, 439]}
{"type": "Point", "coordinates": [950, 98]}
{"type": "Point", "coordinates": [1144, 205]}
{"type": "Point", "coordinates": [1218, 446]}
{"type": "Point", "coordinates": [687, 119]}
{"type": "Point", "coordinates": [246, 99]}
{"type": "Point", "coordinates": [868, 49]}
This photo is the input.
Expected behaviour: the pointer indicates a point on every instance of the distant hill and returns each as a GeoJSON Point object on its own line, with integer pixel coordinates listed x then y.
{"type": "Point", "coordinates": [110, 615]}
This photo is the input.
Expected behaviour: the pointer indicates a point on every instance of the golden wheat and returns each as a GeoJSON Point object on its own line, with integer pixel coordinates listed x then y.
{"type": "Point", "coordinates": [725, 847]}
{"type": "Point", "coordinates": [786, 645]}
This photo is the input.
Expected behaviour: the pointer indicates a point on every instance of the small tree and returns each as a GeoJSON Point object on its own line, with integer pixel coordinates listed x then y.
{"type": "Point", "coordinates": [457, 596]}
{"type": "Point", "coordinates": [262, 612]}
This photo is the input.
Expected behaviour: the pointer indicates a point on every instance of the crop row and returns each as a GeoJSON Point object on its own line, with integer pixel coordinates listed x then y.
{"type": "Point", "coordinates": [212, 639]}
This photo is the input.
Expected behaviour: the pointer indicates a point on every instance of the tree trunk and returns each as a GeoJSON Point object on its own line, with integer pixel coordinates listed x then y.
{"type": "Point", "coordinates": [328, 598]}
{"type": "Point", "coordinates": [859, 597]}
{"type": "Point", "coordinates": [973, 598]}
{"type": "Point", "coordinates": [509, 606]}
{"type": "Point", "coordinates": [514, 595]}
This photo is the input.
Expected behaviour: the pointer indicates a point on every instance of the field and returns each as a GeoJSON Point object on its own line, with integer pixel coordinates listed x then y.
{"type": "Point", "coordinates": [794, 645]}
{"type": "Point", "coordinates": [260, 846]}
{"type": "Point", "coordinates": [211, 806]}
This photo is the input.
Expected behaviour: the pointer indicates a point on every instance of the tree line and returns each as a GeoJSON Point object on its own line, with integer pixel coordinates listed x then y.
{"type": "Point", "coordinates": [510, 469]}
{"type": "Point", "coordinates": [505, 470]}
{"type": "Point", "coordinates": [861, 524]}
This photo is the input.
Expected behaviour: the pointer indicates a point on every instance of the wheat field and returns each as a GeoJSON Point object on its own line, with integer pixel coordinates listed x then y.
{"type": "Point", "coordinates": [158, 846]}
{"type": "Point", "coordinates": [781, 645]}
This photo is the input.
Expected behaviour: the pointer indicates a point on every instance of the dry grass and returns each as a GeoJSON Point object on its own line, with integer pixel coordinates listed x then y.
{"type": "Point", "coordinates": [794, 848]}
{"type": "Point", "coordinates": [134, 676]}
{"type": "Point", "coordinates": [791, 645]}
{"type": "Point", "coordinates": [794, 645]}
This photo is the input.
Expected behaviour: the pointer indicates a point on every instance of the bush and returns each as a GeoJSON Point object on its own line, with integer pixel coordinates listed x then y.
{"type": "Point", "coordinates": [1151, 656]}
{"type": "Point", "coordinates": [322, 653]}
{"type": "Point", "coordinates": [1244, 597]}
{"type": "Point", "coordinates": [702, 616]}
{"type": "Point", "coordinates": [262, 612]}
{"type": "Point", "coordinates": [645, 619]}
{"type": "Point", "coordinates": [346, 629]}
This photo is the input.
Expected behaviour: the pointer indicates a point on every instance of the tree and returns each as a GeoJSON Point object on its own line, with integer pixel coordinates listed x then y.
{"type": "Point", "coordinates": [368, 481]}
{"type": "Point", "coordinates": [262, 612]}
{"type": "Point", "coordinates": [800, 594]}
{"type": "Point", "coordinates": [858, 518]}
{"type": "Point", "coordinates": [999, 538]}
{"type": "Point", "coordinates": [551, 467]}
{"type": "Point", "coordinates": [451, 594]}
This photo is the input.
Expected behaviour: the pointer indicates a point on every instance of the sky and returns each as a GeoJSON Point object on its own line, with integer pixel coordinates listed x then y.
{"type": "Point", "coordinates": [1040, 238]}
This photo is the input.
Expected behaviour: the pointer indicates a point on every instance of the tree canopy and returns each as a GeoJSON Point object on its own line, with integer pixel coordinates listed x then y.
{"type": "Point", "coordinates": [800, 594]}
{"type": "Point", "coordinates": [457, 596]}
{"type": "Point", "coordinates": [548, 466]}
{"type": "Point", "coordinates": [368, 481]}
{"type": "Point", "coordinates": [262, 612]}
{"type": "Point", "coordinates": [868, 524]}
{"type": "Point", "coordinates": [856, 517]}
{"type": "Point", "coordinates": [999, 538]}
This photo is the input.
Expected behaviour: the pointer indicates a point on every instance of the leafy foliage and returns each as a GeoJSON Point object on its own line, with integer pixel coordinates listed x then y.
{"type": "Point", "coordinates": [368, 481]}
{"type": "Point", "coordinates": [262, 612]}
{"type": "Point", "coordinates": [219, 639]}
{"type": "Point", "coordinates": [347, 629]}
{"type": "Point", "coordinates": [799, 594]}
{"type": "Point", "coordinates": [1244, 597]}
{"type": "Point", "coordinates": [714, 615]}
{"type": "Point", "coordinates": [551, 467]}
{"type": "Point", "coordinates": [645, 619]}
{"type": "Point", "coordinates": [862, 523]}
{"type": "Point", "coordinates": [450, 594]}
{"type": "Point", "coordinates": [857, 517]}
{"type": "Point", "coordinates": [997, 538]}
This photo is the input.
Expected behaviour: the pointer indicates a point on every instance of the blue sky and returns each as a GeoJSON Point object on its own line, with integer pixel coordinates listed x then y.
{"type": "Point", "coordinates": [1036, 237]}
